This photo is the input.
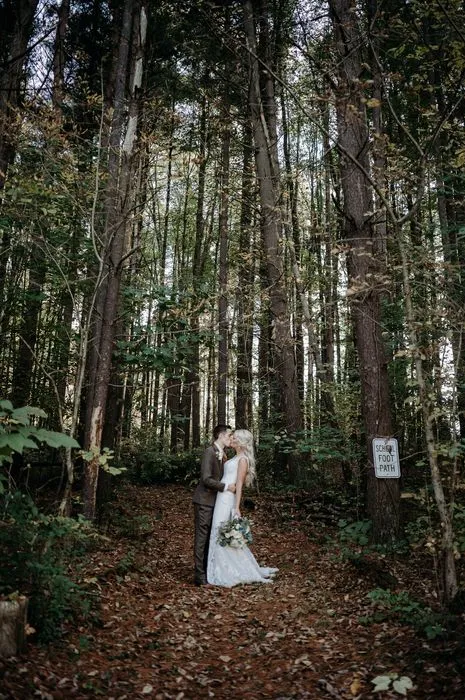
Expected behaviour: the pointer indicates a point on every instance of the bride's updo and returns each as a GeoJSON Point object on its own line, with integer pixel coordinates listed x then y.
{"type": "Point", "coordinates": [245, 440]}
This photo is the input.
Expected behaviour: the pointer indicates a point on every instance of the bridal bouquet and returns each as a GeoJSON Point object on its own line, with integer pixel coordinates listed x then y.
{"type": "Point", "coordinates": [235, 533]}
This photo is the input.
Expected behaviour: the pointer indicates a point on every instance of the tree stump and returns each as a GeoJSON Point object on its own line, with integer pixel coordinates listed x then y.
{"type": "Point", "coordinates": [12, 626]}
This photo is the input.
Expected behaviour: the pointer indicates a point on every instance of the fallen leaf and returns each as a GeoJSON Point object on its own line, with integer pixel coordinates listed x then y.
{"type": "Point", "coordinates": [355, 686]}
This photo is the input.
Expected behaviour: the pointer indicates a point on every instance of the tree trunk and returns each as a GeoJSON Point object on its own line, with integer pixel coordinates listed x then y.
{"type": "Point", "coordinates": [118, 205]}
{"type": "Point", "coordinates": [15, 31]}
{"type": "Point", "coordinates": [266, 158]}
{"type": "Point", "coordinates": [449, 586]}
{"type": "Point", "coordinates": [16, 24]}
{"type": "Point", "coordinates": [223, 275]}
{"type": "Point", "coordinates": [383, 495]}
{"type": "Point", "coordinates": [292, 227]}
{"type": "Point", "coordinates": [22, 372]}
{"type": "Point", "coordinates": [59, 57]}
{"type": "Point", "coordinates": [244, 294]}
{"type": "Point", "coordinates": [173, 403]}
{"type": "Point", "coordinates": [13, 621]}
{"type": "Point", "coordinates": [197, 267]}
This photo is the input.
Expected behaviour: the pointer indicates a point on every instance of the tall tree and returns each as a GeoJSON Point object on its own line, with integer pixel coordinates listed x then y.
{"type": "Point", "coordinates": [262, 104]}
{"type": "Point", "coordinates": [383, 496]}
{"type": "Point", "coordinates": [244, 294]}
{"type": "Point", "coordinates": [223, 268]}
{"type": "Point", "coordinates": [118, 204]}
{"type": "Point", "coordinates": [16, 26]}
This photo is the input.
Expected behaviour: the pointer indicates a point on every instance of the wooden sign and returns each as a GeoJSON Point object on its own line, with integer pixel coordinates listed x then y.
{"type": "Point", "coordinates": [386, 458]}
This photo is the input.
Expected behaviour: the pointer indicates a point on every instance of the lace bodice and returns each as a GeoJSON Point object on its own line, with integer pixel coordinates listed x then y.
{"type": "Point", "coordinates": [230, 470]}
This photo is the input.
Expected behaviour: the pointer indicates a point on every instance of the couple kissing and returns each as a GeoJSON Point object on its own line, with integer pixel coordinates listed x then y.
{"type": "Point", "coordinates": [217, 501]}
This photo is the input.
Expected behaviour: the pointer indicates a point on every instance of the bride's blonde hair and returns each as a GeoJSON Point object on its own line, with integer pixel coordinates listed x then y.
{"type": "Point", "coordinates": [245, 440]}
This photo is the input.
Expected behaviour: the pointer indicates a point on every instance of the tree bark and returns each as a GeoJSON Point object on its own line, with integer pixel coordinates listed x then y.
{"type": "Point", "coordinates": [244, 294]}
{"type": "Point", "coordinates": [28, 330]}
{"type": "Point", "coordinates": [223, 274]}
{"type": "Point", "coordinates": [263, 111]}
{"type": "Point", "coordinates": [118, 203]}
{"type": "Point", "coordinates": [383, 495]}
{"type": "Point", "coordinates": [13, 620]}
{"type": "Point", "coordinates": [16, 24]}
{"type": "Point", "coordinates": [197, 267]}
{"type": "Point", "coordinates": [449, 585]}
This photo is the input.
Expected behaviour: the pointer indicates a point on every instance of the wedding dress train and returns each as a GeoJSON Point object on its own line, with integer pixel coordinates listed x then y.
{"type": "Point", "coordinates": [228, 566]}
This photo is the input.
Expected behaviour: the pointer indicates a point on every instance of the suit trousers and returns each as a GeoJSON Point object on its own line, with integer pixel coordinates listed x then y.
{"type": "Point", "coordinates": [203, 516]}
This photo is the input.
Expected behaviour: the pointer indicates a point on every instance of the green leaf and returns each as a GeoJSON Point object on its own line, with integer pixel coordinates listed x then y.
{"type": "Point", "coordinates": [54, 439]}
{"type": "Point", "coordinates": [6, 405]}
{"type": "Point", "coordinates": [16, 442]}
{"type": "Point", "coordinates": [402, 684]}
{"type": "Point", "coordinates": [25, 411]}
{"type": "Point", "coordinates": [113, 470]}
{"type": "Point", "coordinates": [381, 683]}
{"type": "Point", "coordinates": [5, 455]}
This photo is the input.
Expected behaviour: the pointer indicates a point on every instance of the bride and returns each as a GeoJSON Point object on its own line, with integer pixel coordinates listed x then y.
{"type": "Point", "coordinates": [228, 566]}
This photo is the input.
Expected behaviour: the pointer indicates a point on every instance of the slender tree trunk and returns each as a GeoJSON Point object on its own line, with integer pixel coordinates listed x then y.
{"type": "Point", "coordinates": [455, 256]}
{"type": "Point", "coordinates": [186, 407]}
{"type": "Point", "coordinates": [265, 370]}
{"type": "Point", "coordinates": [223, 275]}
{"type": "Point", "coordinates": [449, 586]}
{"type": "Point", "coordinates": [244, 294]}
{"type": "Point", "coordinates": [16, 24]}
{"type": "Point", "coordinates": [159, 273]}
{"type": "Point", "coordinates": [22, 372]}
{"type": "Point", "coordinates": [197, 266]}
{"type": "Point", "coordinates": [269, 188]}
{"type": "Point", "coordinates": [59, 57]}
{"type": "Point", "coordinates": [292, 223]}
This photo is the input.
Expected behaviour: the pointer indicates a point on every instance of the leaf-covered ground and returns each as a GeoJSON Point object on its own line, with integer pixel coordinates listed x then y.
{"type": "Point", "coordinates": [159, 636]}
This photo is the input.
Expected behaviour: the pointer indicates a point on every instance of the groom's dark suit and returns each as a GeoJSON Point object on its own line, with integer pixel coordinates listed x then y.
{"type": "Point", "coordinates": [204, 501]}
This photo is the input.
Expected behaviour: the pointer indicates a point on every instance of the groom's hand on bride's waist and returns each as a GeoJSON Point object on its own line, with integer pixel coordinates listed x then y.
{"type": "Point", "coordinates": [231, 487]}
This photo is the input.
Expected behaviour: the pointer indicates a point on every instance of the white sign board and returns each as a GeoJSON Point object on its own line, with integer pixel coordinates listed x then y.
{"type": "Point", "coordinates": [386, 458]}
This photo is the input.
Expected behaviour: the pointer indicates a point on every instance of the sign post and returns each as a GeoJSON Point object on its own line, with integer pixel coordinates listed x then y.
{"type": "Point", "coordinates": [386, 458]}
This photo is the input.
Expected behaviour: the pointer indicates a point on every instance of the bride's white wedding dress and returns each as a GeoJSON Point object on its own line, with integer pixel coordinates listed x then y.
{"type": "Point", "coordinates": [228, 566]}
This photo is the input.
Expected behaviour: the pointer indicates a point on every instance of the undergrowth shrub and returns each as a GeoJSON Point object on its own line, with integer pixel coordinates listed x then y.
{"type": "Point", "coordinates": [425, 531]}
{"type": "Point", "coordinates": [357, 532]}
{"type": "Point", "coordinates": [326, 459]}
{"type": "Point", "coordinates": [36, 551]}
{"type": "Point", "coordinates": [354, 540]}
{"type": "Point", "coordinates": [406, 610]}
{"type": "Point", "coordinates": [158, 468]}
{"type": "Point", "coordinates": [147, 462]}
{"type": "Point", "coordinates": [459, 526]}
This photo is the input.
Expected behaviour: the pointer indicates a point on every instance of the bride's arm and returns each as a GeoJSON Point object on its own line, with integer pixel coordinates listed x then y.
{"type": "Point", "coordinates": [241, 474]}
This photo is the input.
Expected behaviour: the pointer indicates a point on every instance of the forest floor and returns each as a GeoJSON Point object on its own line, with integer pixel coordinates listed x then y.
{"type": "Point", "coordinates": [159, 636]}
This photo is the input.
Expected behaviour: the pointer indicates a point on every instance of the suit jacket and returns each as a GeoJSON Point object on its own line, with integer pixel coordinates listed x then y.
{"type": "Point", "coordinates": [211, 472]}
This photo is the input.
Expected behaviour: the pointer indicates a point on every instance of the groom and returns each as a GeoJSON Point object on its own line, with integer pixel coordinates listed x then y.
{"type": "Point", "coordinates": [205, 496]}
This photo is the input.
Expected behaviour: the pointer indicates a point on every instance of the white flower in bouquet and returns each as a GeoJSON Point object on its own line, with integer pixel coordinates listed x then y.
{"type": "Point", "coordinates": [235, 533]}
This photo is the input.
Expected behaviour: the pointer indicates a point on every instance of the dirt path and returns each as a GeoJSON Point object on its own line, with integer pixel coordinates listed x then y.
{"type": "Point", "coordinates": [161, 637]}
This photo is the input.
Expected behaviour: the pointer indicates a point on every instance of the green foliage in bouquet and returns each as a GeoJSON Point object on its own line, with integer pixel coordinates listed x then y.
{"type": "Point", "coordinates": [235, 533]}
